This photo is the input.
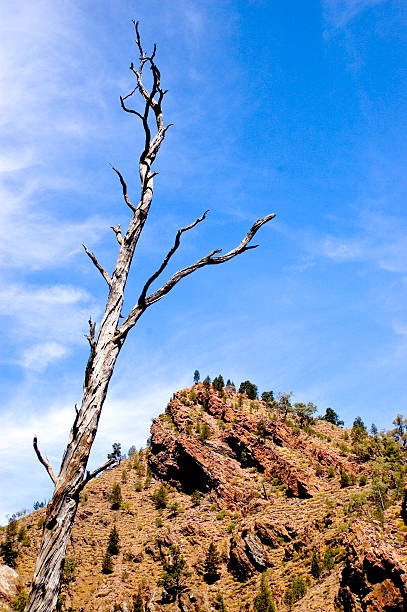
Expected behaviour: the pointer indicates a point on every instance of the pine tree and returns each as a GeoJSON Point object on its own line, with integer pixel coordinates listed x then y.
{"type": "Point", "coordinates": [116, 452]}
{"type": "Point", "coordinates": [218, 383]}
{"type": "Point", "coordinates": [113, 546]}
{"type": "Point", "coordinates": [107, 564]}
{"type": "Point", "coordinates": [249, 388]}
{"type": "Point", "coordinates": [263, 601]}
{"type": "Point", "coordinates": [174, 571]}
{"type": "Point", "coordinates": [207, 383]}
{"type": "Point", "coordinates": [331, 417]}
{"type": "Point", "coordinates": [197, 377]}
{"type": "Point", "coordinates": [211, 564]}
{"type": "Point", "coordinates": [8, 553]}
{"type": "Point", "coordinates": [315, 566]}
{"type": "Point", "coordinates": [138, 602]}
{"type": "Point", "coordinates": [116, 496]}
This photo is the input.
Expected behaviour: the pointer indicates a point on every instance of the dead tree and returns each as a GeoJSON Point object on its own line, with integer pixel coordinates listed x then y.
{"type": "Point", "coordinates": [105, 345]}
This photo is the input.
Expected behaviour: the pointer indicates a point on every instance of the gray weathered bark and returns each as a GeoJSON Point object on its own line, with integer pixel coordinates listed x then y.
{"type": "Point", "coordinates": [106, 345]}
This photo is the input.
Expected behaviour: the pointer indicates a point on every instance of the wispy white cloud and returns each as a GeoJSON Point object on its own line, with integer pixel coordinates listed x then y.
{"type": "Point", "coordinates": [39, 356]}
{"type": "Point", "coordinates": [39, 116]}
{"type": "Point", "coordinates": [376, 238]}
{"type": "Point", "coordinates": [45, 322]}
{"type": "Point", "coordinates": [338, 13]}
{"type": "Point", "coordinates": [341, 249]}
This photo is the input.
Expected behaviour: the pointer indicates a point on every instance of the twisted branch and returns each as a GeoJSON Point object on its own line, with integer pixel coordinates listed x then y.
{"type": "Point", "coordinates": [90, 475]}
{"type": "Point", "coordinates": [97, 264]}
{"type": "Point", "coordinates": [124, 187]}
{"type": "Point", "coordinates": [209, 259]}
{"type": "Point", "coordinates": [156, 274]}
{"type": "Point", "coordinates": [42, 460]}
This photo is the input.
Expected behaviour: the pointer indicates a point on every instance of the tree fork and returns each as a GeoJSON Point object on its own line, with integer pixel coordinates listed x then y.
{"type": "Point", "coordinates": [106, 346]}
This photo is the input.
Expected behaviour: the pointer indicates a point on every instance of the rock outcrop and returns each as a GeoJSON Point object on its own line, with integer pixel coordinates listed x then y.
{"type": "Point", "coordinates": [192, 463]}
{"type": "Point", "coordinates": [373, 579]}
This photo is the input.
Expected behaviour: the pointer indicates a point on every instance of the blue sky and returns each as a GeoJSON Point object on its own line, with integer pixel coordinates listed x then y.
{"type": "Point", "coordinates": [295, 108]}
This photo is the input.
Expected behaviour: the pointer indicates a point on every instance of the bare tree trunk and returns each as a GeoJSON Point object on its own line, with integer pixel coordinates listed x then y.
{"type": "Point", "coordinates": [105, 349]}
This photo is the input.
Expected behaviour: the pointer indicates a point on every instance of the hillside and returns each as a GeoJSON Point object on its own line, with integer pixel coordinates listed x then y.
{"type": "Point", "coordinates": [315, 506]}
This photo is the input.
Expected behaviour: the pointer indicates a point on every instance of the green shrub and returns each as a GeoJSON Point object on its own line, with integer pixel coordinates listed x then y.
{"type": "Point", "coordinates": [328, 560]}
{"type": "Point", "coordinates": [196, 498]}
{"type": "Point", "coordinates": [116, 496]}
{"type": "Point", "coordinates": [174, 508]}
{"type": "Point", "coordinates": [68, 571]}
{"type": "Point", "coordinates": [205, 432]}
{"type": "Point", "coordinates": [331, 471]}
{"type": "Point", "coordinates": [160, 496]}
{"type": "Point", "coordinates": [318, 469]}
{"type": "Point", "coordinates": [363, 480]}
{"type": "Point", "coordinates": [345, 479]}
{"type": "Point", "coordinates": [20, 601]}
{"type": "Point", "coordinates": [40, 522]}
{"type": "Point", "coordinates": [295, 591]}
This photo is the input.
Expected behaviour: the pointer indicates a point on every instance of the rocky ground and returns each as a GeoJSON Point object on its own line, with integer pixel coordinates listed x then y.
{"type": "Point", "coordinates": [264, 490]}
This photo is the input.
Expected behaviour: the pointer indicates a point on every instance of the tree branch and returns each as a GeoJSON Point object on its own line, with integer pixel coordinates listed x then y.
{"type": "Point", "coordinates": [168, 257]}
{"type": "Point", "coordinates": [90, 475]}
{"type": "Point", "coordinates": [42, 460]}
{"type": "Point", "coordinates": [97, 264]}
{"type": "Point", "coordinates": [91, 339]}
{"type": "Point", "coordinates": [124, 187]}
{"type": "Point", "coordinates": [118, 233]}
{"type": "Point", "coordinates": [205, 261]}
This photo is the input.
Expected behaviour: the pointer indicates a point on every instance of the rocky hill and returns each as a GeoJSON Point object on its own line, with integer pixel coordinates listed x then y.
{"type": "Point", "coordinates": [233, 498]}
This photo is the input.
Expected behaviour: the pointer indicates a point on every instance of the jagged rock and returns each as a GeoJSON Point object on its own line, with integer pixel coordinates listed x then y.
{"type": "Point", "coordinates": [255, 551]}
{"type": "Point", "coordinates": [8, 581]}
{"type": "Point", "coordinates": [269, 533]}
{"type": "Point", "coordinates": [153, 551]}
{"type": "Point", "coordinates": [373, 579]}
{"type": "Point", "coordinates": [135, 554]}
{"type": "Point", "coordinates": [246, 554]}
{"type": "Point", "coordinates": [239, 564]}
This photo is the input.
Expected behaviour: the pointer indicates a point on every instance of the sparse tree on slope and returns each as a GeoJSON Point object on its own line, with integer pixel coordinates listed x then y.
{"type": "Point", "coordinates": [263, 601]}
{"type": "Point", "coordinates": [107, 342]}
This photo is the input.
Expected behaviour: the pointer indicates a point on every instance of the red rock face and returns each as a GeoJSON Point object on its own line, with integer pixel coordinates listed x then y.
{"type": "Point", "coordinates": [373, 578]}
{"type": "Point", "coordinates": [190, 463]}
